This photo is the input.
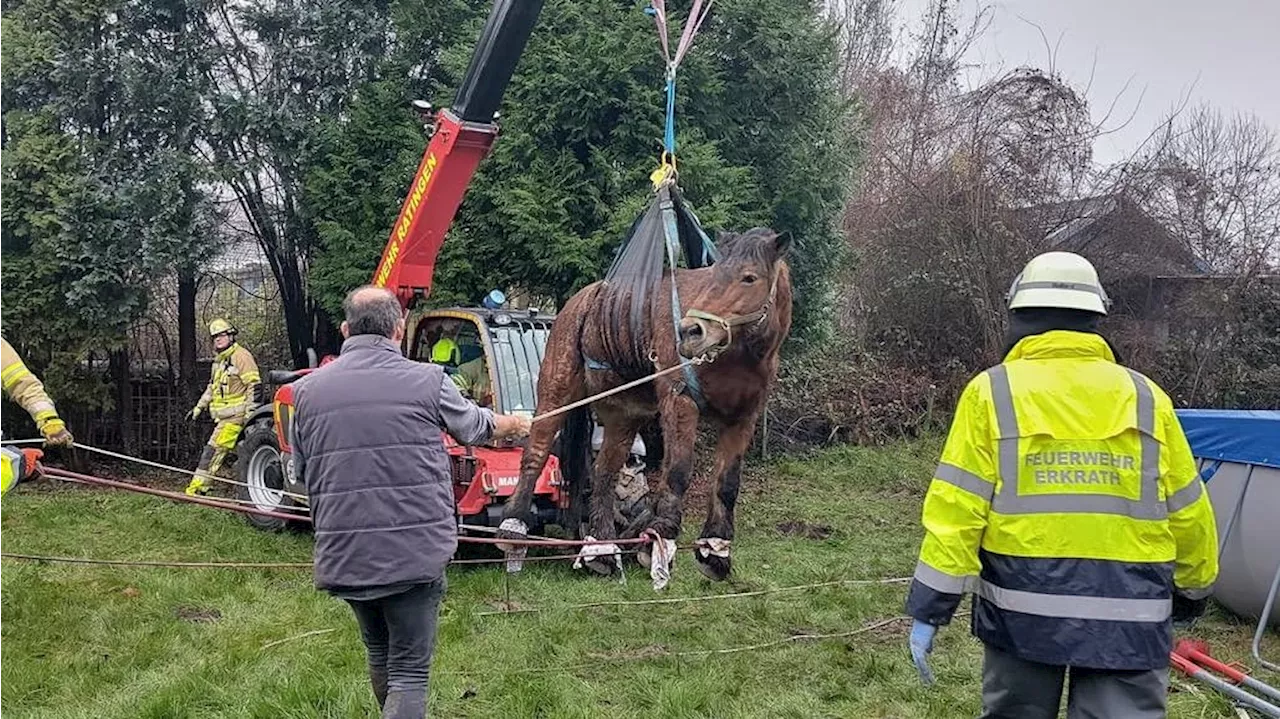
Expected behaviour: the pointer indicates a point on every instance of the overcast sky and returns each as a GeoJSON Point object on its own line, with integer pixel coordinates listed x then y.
{"type": "Point", "coordinates": [1225, 53]}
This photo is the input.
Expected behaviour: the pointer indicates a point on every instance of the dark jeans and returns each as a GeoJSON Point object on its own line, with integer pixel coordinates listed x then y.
{"type": "Point", "coordinates": [399, 632]}
{"type": "Point", "coordinates": [1014, 688]}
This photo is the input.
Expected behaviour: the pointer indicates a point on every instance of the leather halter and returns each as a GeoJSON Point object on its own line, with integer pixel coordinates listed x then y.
{"type": "Point", "coordinates": [755, 319]}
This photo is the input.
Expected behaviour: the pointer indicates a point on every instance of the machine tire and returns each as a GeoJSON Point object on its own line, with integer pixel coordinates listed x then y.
{"type": "Point", "coordinates": [258, 467]}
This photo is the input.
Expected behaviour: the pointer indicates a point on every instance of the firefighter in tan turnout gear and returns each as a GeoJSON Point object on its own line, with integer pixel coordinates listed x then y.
{"type": "Point", "coordinates": [229, 398]}
{"type": "Point", "coordinates": [27, 390]}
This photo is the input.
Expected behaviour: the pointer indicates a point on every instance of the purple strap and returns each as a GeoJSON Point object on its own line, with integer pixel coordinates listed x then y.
{"type": "Point", "coordinates": [697, 14]}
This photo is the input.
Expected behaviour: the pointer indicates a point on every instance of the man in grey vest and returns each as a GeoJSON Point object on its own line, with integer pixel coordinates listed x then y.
{"type": "Point", "coordinates": [367, 441]}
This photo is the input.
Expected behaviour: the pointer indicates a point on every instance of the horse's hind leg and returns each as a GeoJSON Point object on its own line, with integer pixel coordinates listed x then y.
{"type": "Point", "coordinates": [712, 552]}
{"type": "Point", "coordinates": [619, 434]}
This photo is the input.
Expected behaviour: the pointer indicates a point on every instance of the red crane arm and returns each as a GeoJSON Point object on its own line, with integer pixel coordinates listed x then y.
{"type": "Point", "coordinates": [463, 136]}
{"type": "Point", "coordinates": [451, 159]}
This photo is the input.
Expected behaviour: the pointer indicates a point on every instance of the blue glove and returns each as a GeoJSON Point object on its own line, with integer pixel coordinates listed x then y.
{"type": "Point", "coordinates": [921, 644]}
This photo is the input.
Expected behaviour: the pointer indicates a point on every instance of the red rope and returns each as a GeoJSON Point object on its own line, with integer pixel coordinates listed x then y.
{"type": "Point", "coordinates": [177, 496]}
{"type": "Point", "coordinates": [535, 558]}
{"type": "Point", "coordinates": [552, 542]}
{"type": "Point", "coordinates": [238, 565]}
{"type": "Point", "coordinates": [152, 563]}
{"type": "Point", "coordinates": [70, 476]}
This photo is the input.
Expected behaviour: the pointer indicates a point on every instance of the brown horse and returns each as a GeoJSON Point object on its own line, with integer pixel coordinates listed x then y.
{"type": "Point", "coordinates": [739, 313]}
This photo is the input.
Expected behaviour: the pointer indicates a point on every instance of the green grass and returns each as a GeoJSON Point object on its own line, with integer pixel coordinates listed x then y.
{"type": "Point", "coordinates": [86, 641]}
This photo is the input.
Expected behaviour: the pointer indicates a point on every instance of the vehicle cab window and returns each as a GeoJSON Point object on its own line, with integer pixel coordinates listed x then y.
{"type": "Point", "coordinates": [456, 344]}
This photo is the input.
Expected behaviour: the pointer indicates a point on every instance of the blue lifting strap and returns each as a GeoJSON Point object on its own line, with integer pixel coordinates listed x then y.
{"type": "Point", "coordinates": [672, 234]}
{"type": "Point", "coordinates": [669, 137]}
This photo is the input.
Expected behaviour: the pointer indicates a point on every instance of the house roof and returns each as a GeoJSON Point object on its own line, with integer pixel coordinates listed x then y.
{"type": "Point", "coordinates": [1108, 226]}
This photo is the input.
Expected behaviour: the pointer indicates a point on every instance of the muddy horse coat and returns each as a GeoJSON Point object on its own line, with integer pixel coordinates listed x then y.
{"type": "Point", "coordinates": [738, 311]}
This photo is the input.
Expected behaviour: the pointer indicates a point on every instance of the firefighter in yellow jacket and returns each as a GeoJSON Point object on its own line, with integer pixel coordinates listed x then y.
{"type": "Point", "coordinates": [1068, 502]}
{"type": "Point", "coordinates": [17, 466]}
{"type": "Point", "coordinates": [27, 390]}
{"type": "Point", "coordinates": [229, 399]}
{"type": "Point", "coordinates": [471, 377]}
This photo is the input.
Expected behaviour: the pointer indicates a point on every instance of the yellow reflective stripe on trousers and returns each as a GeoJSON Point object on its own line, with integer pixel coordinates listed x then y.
{"type": "Point", "coordinates": [1074, 606]}
{"type": "Point", "coordinates": [966, 480]}
{"type": "Point", "coordinates": [1008, 501]}
{"type": "Point", "coordinates": [940, 581]}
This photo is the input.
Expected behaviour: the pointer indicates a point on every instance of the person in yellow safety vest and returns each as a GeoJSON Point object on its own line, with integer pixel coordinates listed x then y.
{"type": "Point", "coordinates": [27, 390]}
{"type": "Point", "coordinates": [229, 398]}
{"type": "Point", "coordinates": [445, 352]}
{"type": "Point", "coordinates": [1068, 502]}
{"type": "Point", "coordinates": [471, 378]}
{"type": "Point", "coordinates": [17, 466]}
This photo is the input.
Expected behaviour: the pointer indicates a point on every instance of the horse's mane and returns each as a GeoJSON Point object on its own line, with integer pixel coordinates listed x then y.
{"type": "Point", "coordinates": [755, 246]}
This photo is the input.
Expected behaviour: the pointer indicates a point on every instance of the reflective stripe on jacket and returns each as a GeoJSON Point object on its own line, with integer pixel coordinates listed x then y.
{"type": "Point", "coordinates": [1067, 499]}
{"type": "Point", "coordinates": [234, 375]}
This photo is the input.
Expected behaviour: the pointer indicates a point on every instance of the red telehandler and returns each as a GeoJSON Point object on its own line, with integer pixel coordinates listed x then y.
{"type": "Point", "coordinates": [510, 344]}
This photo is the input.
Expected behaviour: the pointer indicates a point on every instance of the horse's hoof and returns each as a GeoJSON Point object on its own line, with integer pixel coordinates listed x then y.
{"type": "Point", "coordinates": [511, 528]}
{"type": "Point", "coordinates": [713, 567]}
{"type": "Point", "coordinates": [604, 566]}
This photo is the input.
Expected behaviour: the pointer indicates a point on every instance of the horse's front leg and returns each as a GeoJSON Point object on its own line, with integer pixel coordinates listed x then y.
{"type": "Point", "coordinates": [712, 551]}
{"type": "Point", "coordinates": [678, 416]}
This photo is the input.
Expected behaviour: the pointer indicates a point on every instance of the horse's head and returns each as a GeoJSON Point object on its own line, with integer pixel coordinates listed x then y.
{"type": "Point", "coordinates": [739, 295]}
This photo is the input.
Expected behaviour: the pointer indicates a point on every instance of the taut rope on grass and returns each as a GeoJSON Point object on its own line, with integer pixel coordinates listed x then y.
{"type": "Point", "coordinates": [176, 564]}
{"type": "Point", "coordinates": [650, 653]}
{"type": "Point", "coordinates": [295, 514]}
{"type": "Point", "coordinates": [63, 474]}
{"type": "Point", "coordinates": [184, 472]}
{"type": "Point", "coordinates": [304, 635]}
{"type": "Point", "coordinates": [707, 598]}
{"type": "Point", "coordinates": [229, 505]}
{"type": "Point", "coordinates": [790, 639]}
{"type": "Point", "coordinates": [145, 563]}
{"type": "Point", "coordinates": [40, 558]}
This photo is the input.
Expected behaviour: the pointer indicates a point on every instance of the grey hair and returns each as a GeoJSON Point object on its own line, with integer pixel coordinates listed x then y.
{"type": "Point", "coordinates": [371, 310]}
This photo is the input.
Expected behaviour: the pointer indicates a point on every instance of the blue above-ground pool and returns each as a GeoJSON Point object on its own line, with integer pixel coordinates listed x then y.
{"type": "Point", "coordinates": [1238, 452]}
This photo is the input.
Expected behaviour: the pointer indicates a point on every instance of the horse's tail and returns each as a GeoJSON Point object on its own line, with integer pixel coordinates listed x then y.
{"type": "Point", "coordinates": [574, 453]}
{"type": "Point", "coordinates": [575, 440]}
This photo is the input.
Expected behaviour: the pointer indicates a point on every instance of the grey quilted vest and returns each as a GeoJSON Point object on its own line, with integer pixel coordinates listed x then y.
{"type": "Point", "coordinates": [377, 474]}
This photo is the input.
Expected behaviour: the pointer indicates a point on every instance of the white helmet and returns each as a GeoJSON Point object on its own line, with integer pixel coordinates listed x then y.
{"type": "Point", "coordinates": [1058, 279]}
